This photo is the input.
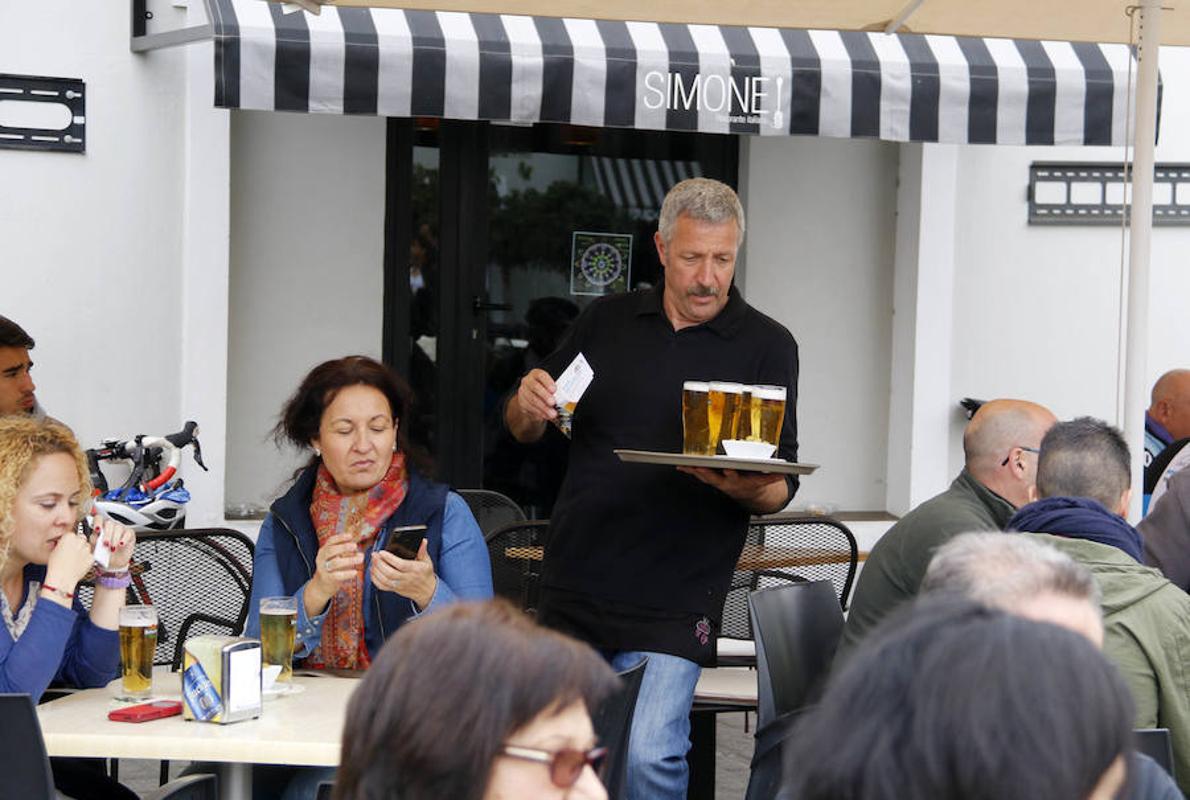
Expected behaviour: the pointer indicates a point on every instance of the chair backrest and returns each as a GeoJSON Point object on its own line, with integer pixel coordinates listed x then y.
{"type": "Point", "coordinates": [23, 760]}
{"type": "Point", "coordinates": [1156, 744]}
{"type": "Point", "coordinates": [768, 759]}
{"type": "Point", "coordinates": [788, 549]}
{"type": "Point", "coordinates": [492, 510]}
{"type": "Point", "coordinates": [798, 626]}
{"type": "Point", "coordinates": [613, 722]}
{"type": "Point", "coordinates": [516, 552]}
{"type": "Point", "coordinates": [199, 580]}
{"type": "Point", "coordinates": [325, 790]}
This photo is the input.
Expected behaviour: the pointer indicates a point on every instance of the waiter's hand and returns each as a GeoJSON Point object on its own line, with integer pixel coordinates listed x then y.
{"type": "Point", "coordinates": [762, 493]}
{"type": "Point", "coordinates": [533, 406]}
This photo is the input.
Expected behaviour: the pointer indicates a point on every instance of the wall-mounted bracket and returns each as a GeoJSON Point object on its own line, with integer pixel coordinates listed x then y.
{"type": "Point", "coordinates": [70, 93]}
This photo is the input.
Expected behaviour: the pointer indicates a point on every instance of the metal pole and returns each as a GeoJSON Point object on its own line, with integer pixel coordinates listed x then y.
{"type": "Point", "coordinates": [1141, 229]}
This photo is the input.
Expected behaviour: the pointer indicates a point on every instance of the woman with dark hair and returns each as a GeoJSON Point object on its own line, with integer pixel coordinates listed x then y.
{"type": "Point", "coordinates": [476, 703]}
{"type": "Point", "coordinates": [954, 700]}
{"type": "Point", "coordinates": [324, 541]}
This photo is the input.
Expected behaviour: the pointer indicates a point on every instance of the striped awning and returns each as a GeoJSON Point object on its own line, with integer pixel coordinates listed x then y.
{"type": "Point", "coordinates": [639, 185]}
{"type": "Point", "coordinates": [664, 76]}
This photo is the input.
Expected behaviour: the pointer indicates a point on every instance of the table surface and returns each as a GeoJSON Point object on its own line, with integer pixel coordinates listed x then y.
{"type": "Point", "coordinates": [299, 729]}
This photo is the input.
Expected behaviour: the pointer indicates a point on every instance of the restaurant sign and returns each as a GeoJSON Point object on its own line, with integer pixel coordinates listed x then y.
{"type": "Point", "coordinates": [746, 100]}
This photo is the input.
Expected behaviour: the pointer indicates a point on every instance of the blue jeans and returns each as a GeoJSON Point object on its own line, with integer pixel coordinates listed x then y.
{"type": "Point", "coordinates": [660, 735]}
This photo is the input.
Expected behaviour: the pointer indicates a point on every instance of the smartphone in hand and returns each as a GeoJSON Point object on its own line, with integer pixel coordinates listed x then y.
{"type": "Point", "coordinates": [405, 541]}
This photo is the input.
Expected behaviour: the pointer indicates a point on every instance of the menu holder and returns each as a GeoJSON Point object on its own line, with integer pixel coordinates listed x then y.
{"type": "Point", "coordinates": [770, 465]}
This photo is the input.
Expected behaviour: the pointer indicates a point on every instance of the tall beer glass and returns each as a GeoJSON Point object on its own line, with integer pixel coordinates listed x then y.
{"type": "Point", "coordinates": [696, 429]}
{"type": "Point", "coordinates": [278, 627]}
{"type": "Point", "coordinates": [724, 411]}
{"type": "Point", "coordinates": [138, 644]}
{"type": "Point", "coordinates": [747, 429]}
{"type": "Point", "coordinates": [768, 413]}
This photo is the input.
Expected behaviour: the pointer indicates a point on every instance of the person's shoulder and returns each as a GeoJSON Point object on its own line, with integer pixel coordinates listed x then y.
{"type": "Point", "coordinates": [767, 326]}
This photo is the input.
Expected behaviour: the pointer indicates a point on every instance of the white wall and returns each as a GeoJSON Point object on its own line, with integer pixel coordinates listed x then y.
{"type": "Point", "coordinates": [307, 246]}
{"type": "Point", "coordinates": [821, 218]}
{"type": "Point", "coordinates": [1036, 311]}
{"type": "Point", "coordinates": [91, 244]}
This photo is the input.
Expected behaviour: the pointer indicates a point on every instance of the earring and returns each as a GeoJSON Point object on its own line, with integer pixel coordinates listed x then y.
{"type": "Point", "coordinates": [317, 453]}
{"type": "Point", "coordinates": [394, 447]}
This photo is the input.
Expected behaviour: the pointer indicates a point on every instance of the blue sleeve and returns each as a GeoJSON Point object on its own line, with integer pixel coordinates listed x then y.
{"type": "Point", "coordinates": [266, 582]}
{"type": "Point", "coordinates": [92, 654]}
{"type": "Point", "coordinates": [29, 664]}
{"type": "Point", "coordinates": [464, 571]}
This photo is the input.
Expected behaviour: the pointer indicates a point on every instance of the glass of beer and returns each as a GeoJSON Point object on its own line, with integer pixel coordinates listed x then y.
{"type": "Point", "coordinates": [724, 411]}
{"type": "Point", "coordinates": [768, 413]}
{"type": "Point", "coordinates": [696, 429]}
{"type": "Point", "coordinates": [138, 644]}
{"type": "Point", "coordinates": [278, 627]}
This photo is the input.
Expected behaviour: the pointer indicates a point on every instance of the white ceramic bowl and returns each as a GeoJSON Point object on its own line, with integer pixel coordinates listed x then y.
{"type": "Point", "coordinates": [739, 448]}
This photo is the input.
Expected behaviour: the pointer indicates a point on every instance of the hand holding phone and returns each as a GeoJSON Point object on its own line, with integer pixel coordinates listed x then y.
{"type": "Point", "coordinates": [404, 542]}
{"type": "Point", "coordinates": [155, 709]}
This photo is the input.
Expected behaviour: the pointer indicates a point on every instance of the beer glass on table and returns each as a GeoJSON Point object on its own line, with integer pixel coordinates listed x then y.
{"type": "Point", "coordinates": [278, 627]}
{"type": "Point", "coordinates": [696, 429]}
{"type": "Point", "coordinates": [138, 644]}
{"type": "Point", "coordinates": [767, 411]}
{"type": "Point", "coordinates": [724, 411]}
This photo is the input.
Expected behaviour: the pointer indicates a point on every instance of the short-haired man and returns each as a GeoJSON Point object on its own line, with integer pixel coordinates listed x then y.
{"type": "Point", "coordinates": [16, 384]}
{"type": "Point", "coordinates": [1000, 452]}
{"type": "Point", "coordinates": [1167, 427]}
{"type": "Point", "coordinates": [1025, 577]}
{"type": "Point", "coordinates": [640, 557]}
{"type": "Point", "coordinates": [1083, 482]}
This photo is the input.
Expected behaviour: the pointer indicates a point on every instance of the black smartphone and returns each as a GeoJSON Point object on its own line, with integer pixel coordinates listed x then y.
{"type": "Point", "coordinates": [405, 541]}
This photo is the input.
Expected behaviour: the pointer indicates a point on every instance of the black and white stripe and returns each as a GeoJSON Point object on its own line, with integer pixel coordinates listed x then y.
{"type": "Point", "coordinates": [712, 79]}
{"type": "Point", "coordinates": [638, 185]}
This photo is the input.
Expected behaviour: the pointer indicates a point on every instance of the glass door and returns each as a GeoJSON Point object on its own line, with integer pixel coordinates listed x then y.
{"type": "Point", "coordinates": [497, 237]}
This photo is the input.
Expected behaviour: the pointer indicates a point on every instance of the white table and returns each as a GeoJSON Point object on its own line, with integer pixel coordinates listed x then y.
{"type": "Point", "coordinates": [301, 729]}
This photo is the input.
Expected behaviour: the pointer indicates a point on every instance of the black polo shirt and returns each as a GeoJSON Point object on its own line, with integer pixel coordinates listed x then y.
{"type": "Point", "coordinates": [639, 555]}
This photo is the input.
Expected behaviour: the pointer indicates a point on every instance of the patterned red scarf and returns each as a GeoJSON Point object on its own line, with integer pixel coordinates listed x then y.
{"type": "Point", "coordinates": [361, 515]}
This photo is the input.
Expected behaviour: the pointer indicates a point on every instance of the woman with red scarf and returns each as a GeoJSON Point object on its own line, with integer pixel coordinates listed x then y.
{"type": "Point", "coordinates": [323, 542]}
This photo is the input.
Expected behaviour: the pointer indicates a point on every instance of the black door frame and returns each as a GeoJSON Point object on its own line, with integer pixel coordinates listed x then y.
{"type": "Point", "coordinates": [464, 149]}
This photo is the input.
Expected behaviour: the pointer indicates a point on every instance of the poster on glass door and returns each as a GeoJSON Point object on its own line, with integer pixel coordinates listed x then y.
{"type": "Point", "coordinates": [600, 263]}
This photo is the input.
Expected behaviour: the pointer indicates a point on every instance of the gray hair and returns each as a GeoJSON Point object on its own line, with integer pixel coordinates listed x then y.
{"type": "Point", "coordinates": [1004, 570]}
{"type": "Point", "coordinates": [702, 199]}
{"type": "Point", "coordinates": [1084, 457]}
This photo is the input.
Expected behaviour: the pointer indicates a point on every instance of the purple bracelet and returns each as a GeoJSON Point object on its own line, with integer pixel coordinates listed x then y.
{"type": "Point", "coordinates": [109, 580]}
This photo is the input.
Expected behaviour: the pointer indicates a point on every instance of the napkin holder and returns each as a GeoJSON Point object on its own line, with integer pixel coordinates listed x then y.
{"type": "Point", "coordinates": [221, 679]}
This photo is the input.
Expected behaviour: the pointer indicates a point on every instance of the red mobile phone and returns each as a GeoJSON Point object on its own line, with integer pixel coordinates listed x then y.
{"type": "Point", "coordinates": [157, 709]}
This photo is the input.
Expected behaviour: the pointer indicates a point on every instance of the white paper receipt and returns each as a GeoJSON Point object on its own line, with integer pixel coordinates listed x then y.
{"type": "Point", "coordinates": [102, 556]}
{"type": "Point", "coordinates": [569, 389]}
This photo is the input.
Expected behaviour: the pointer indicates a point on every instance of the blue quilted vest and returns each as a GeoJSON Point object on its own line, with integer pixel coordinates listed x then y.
{"type": "Point", "coordinates": [297, 544]}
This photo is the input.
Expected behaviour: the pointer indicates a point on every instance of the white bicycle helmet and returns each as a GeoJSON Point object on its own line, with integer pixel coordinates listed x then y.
{"type": "Point", "coordinates": [163, 513]}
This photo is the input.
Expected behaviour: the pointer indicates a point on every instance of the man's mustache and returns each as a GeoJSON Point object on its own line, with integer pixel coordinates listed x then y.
{"type": "Point", "coordinates": [703, 291]}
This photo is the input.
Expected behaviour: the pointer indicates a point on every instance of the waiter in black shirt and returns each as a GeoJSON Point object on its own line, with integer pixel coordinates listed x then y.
{"type": "Point", "coordinates": [640, 557]}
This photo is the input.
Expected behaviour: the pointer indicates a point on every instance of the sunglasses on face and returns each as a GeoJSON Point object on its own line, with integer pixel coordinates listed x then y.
{"type": "Point", "coordinates": [565, 765]}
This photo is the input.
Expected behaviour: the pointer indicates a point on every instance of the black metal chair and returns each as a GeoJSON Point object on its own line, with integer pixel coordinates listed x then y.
{"type": "Point", "coordinates": [613, 723]}
{"type": "Point", "coordinates": [516, 552]}
{"type": "Point", "coordinates": [492, 510]}
{"type": "Point", "coordinates": [778, 550]}
{"type": "Point", "coordinates": [25, 764]}
{"type": "Point", "coordinates": [199, 580]}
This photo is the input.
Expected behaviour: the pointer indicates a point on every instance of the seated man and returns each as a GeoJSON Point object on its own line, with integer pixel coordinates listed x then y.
{"type": "Point", "coordinates": [1083, 480]}
{"type": "Point", "coordinates": [1166, 531]}
{"type": "Point", "coordinates": [1000, 446]}
{"type": "Point", "coordinates": [16, 385]}
{"type": "Point", "coordinates": [1023, 576]}
{"type": "Point", "coordinates": [1167, 426]}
